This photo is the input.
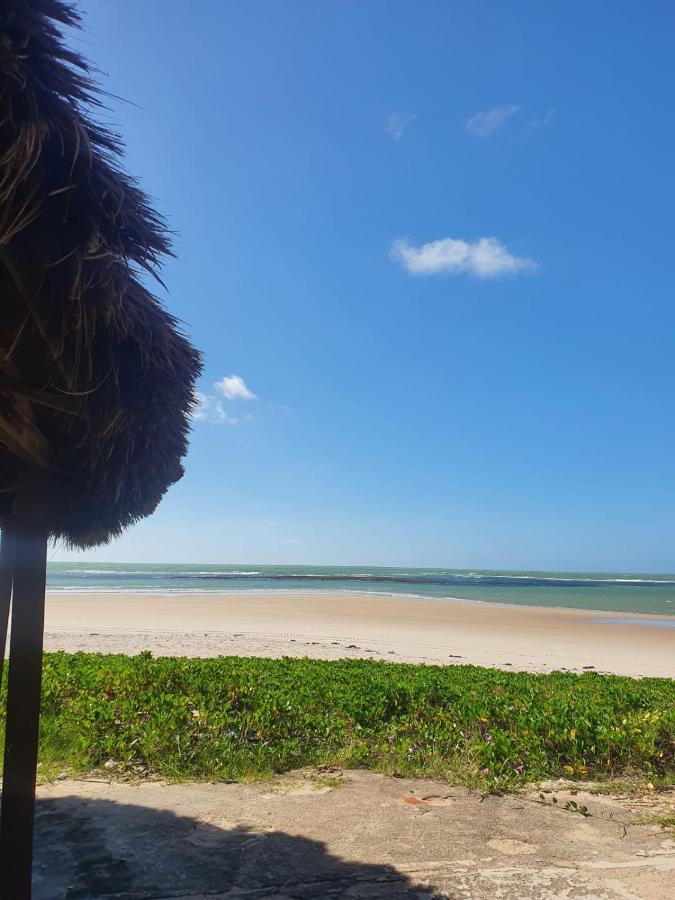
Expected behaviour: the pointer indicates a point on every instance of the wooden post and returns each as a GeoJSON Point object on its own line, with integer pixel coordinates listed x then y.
{"type": "Point", "coordinates": [23, 692]}
{"type": "Point", "coordinates": [6, 576]}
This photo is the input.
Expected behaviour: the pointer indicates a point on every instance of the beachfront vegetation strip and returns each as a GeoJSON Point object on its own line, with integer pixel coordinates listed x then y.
{"type": "Point", "coordinates": [233, 718]}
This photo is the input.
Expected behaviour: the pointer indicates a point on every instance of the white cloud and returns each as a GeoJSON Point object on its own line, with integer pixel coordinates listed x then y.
{"type": "Point", "coordinates": [234, 387]}
{"type": "Point", "coordinates": [485, 258]}
{"type": "Point", "coordinates": [397, 122]}
{"type": "Point", "coordinates": [209, 409]}
{"type": "Point", "coordinates": [483, 124]}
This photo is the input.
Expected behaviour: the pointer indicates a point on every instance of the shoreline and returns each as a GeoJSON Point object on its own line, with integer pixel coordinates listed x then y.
{"type": "Point", "coordinates": [361, 625]}
{"type": "Point", "coordinates": [340, 592]}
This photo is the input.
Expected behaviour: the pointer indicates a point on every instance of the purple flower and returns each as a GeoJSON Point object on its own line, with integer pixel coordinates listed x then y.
{"type": "Point", "coordinates": [519, 770]}
{"type": "Point", "coordinates": [485, 771]}
{"type": "Point", "coordinates": [489, 738]}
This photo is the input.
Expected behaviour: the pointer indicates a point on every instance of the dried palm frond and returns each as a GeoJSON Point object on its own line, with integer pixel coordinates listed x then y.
{"type": "Point", "coordinates": [96, 379]}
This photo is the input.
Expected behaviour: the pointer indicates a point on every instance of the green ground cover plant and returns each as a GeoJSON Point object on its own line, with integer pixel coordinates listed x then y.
{"type": "Point", "coordinates": [233, 718]}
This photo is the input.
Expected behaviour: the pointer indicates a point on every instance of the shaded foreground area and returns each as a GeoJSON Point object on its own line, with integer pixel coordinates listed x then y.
{"type": "Point", "coordinates": [232, 718]}
{"type": "Point", "coordinates": [361, 836]}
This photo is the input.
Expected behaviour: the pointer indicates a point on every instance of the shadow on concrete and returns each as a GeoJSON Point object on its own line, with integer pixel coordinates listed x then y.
{"type": "Point", "coordinates": [99, 850]}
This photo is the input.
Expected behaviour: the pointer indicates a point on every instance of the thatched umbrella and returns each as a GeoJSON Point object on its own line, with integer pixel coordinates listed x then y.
{"type": "Point", "coordinates": [96, 382]}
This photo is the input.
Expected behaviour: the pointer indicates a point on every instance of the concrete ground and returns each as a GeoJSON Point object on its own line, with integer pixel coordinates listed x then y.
{"type": "Point", "coordinates": [345, 835]}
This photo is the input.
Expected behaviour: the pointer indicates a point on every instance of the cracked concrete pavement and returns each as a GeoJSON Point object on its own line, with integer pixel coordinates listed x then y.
{"type": "Point", "coordinates": [344, 835]}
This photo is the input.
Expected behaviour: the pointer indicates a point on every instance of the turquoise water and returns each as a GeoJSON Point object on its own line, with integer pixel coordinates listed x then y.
{"type": "Point", "coordinates": [645, 623]}
{"type": "Point", "coordinates": [635, 593]}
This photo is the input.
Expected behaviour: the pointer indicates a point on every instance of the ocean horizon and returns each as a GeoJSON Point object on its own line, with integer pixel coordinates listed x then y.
{"type": "Point", "coordinates": [622, 592]}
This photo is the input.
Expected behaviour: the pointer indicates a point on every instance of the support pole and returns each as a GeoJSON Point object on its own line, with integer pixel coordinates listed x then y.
{"type": "Point", "coordinates": [23, 693]}
{"type": "Point", "coordinates": [6, 576]}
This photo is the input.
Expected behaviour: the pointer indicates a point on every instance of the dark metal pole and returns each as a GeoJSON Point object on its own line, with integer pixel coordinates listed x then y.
{"type": "Point", "coordinates": [6, 574]}
{"type": "Point", "coordinates": [23, 693]}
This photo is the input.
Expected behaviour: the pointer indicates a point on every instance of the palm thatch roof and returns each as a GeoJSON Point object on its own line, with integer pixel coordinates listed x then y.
{"type": "Point", "coordinates": [96, 380]}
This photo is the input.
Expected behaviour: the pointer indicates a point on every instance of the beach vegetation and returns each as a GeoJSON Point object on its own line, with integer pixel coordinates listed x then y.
{"type": "Point", "coordinates": [236, 718]}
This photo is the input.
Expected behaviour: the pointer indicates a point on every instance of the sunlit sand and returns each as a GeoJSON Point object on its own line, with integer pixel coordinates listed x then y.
{"type": "Point", "coordinates": [396, 629]}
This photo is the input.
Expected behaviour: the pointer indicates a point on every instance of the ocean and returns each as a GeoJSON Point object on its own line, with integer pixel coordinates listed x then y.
{"type": "Point", "coordinates": [635, 593]}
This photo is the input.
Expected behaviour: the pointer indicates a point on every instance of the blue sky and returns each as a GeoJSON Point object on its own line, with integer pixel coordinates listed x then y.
{"type": "Point", "coordinates": [435, 241]}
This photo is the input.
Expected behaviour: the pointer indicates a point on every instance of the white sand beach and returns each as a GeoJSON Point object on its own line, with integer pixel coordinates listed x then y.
{"type": "Point", "coordinates": [397, 629]}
